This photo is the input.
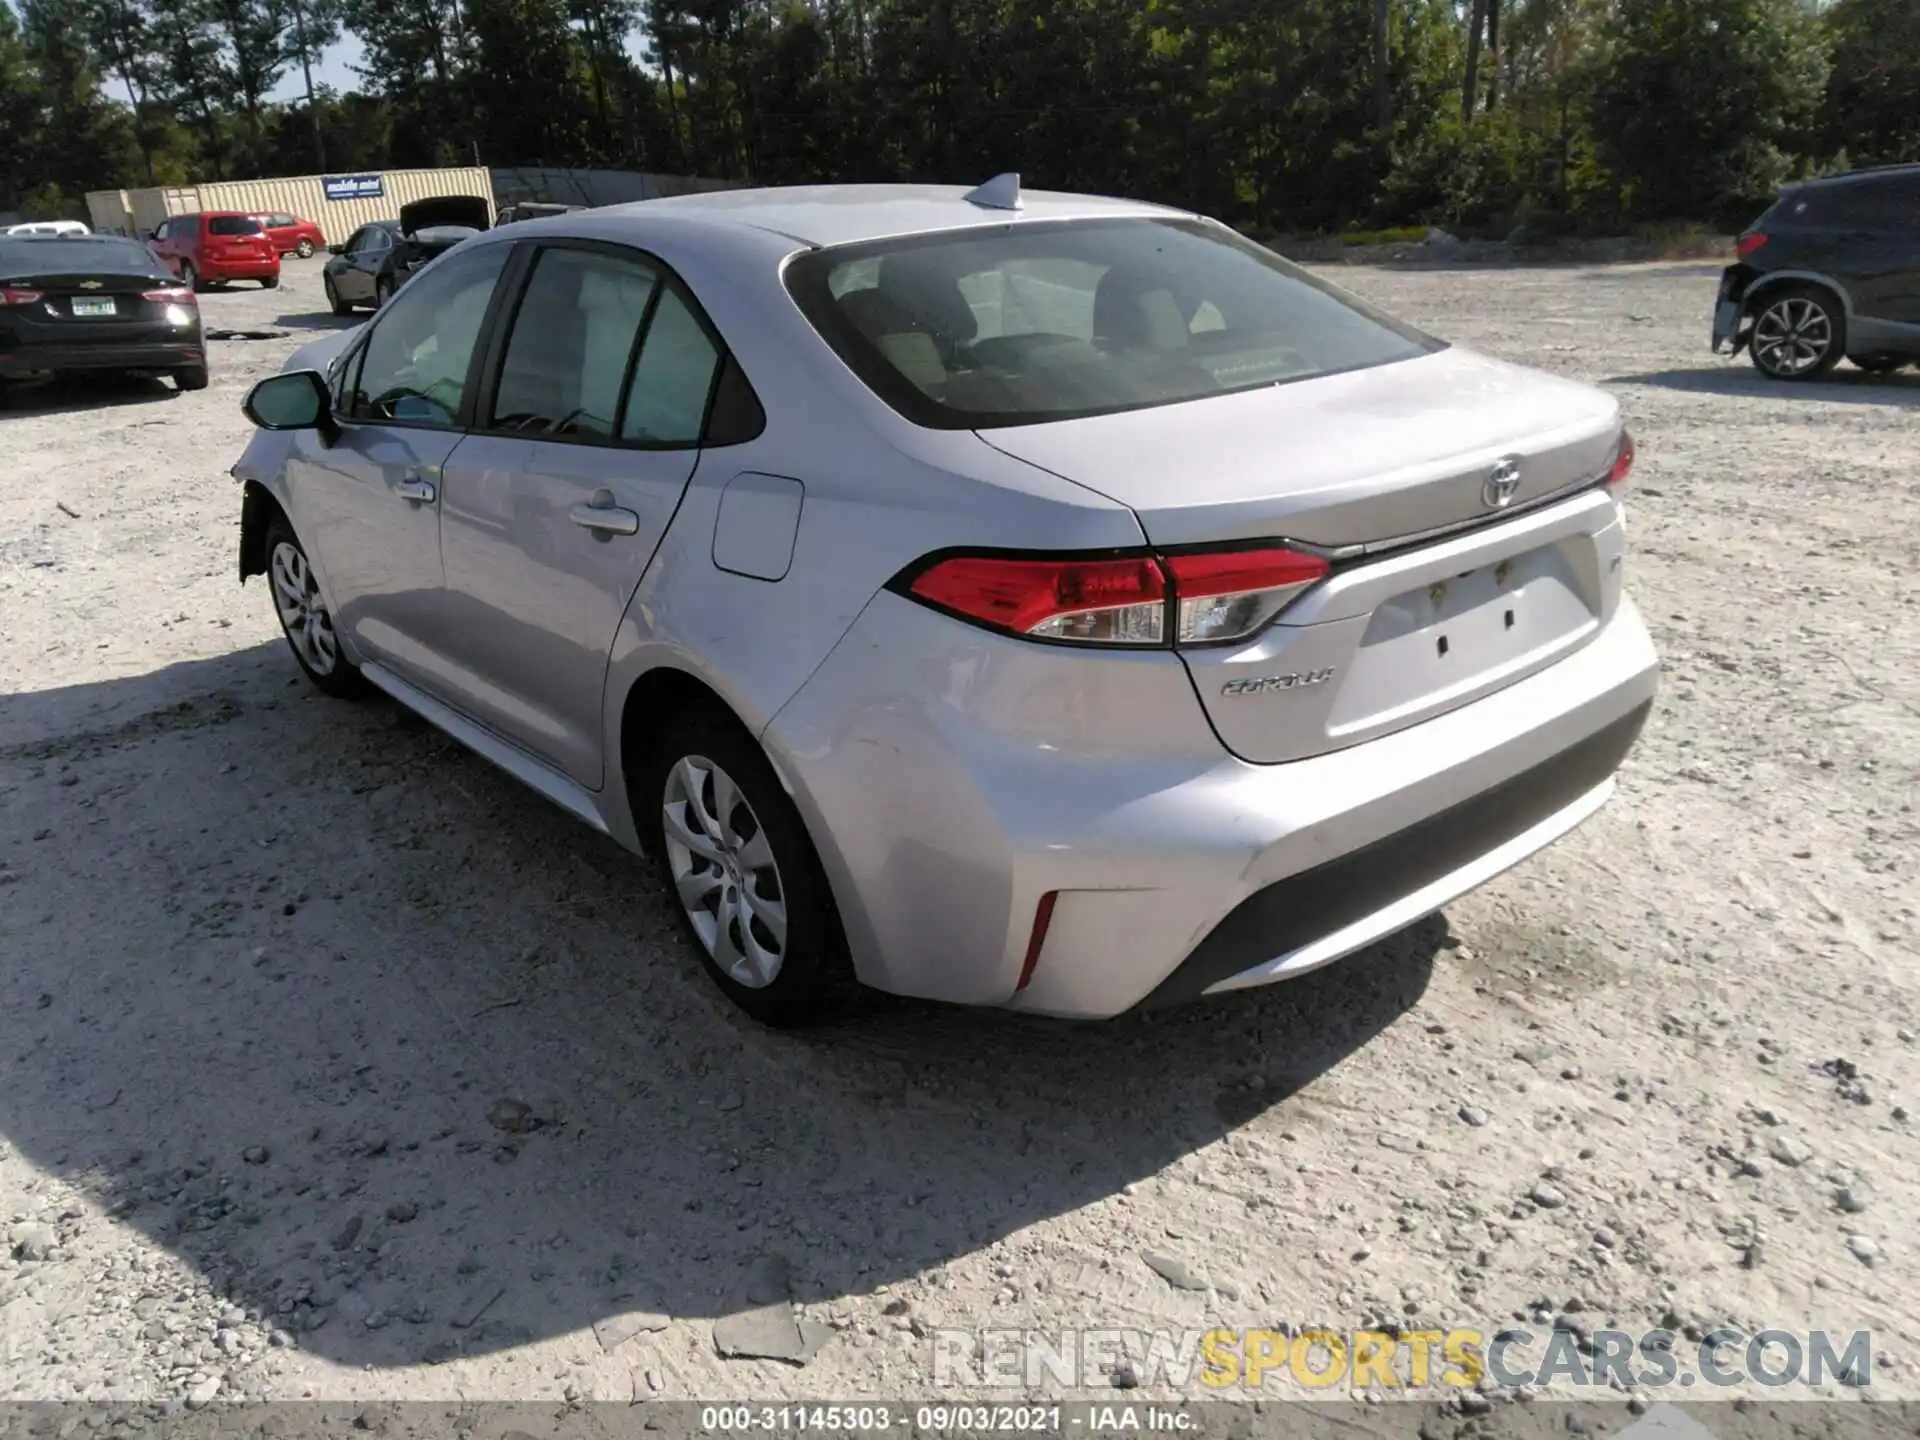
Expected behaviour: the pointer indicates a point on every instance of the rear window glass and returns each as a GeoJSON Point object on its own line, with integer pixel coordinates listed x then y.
{"type": "Point", "coordinates": [233, 225]}
{"type": "Point", "coordinates": [1025, 323]}
{"type": "Point", "coordinates": [21, 257]}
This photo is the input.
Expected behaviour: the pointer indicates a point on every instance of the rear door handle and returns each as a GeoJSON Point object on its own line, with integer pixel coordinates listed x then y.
{"type": "Point", "coordinates": [605, 518]}
{"type": "Point", "coordinates": [415, 488]}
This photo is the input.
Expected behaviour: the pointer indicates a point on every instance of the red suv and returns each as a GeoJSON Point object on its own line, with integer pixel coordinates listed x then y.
{"type": "Point", "coordinates": [291, 235]}
{"type": "Point", "coordinates": [216, 246]}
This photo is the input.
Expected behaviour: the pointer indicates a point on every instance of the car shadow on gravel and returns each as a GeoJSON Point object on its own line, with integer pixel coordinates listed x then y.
{"type": "Point", "coordinates": [414, 1066]}
{"type": "Point", "coordinates": [1845, 386]}
{"type": "Point", "coordinates": [66, 394]}
{"type": "Point", "coordinates": [318, 320]}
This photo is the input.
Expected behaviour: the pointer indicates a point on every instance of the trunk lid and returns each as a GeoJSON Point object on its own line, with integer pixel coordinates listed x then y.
{"type": "Point", "coordinates": [471, 212]}
{"type": "Point", "coordinates": [1435, 599]}
{"type": "Point", "coordinates": [83, 307]}
{"type": "Point", "coordinates": [1366, 456]}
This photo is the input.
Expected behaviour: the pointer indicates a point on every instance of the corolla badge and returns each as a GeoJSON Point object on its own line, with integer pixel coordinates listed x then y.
{"type": "Point", "coordinates": [1502, 485]}
{"type": "Point", "coordinates": [1295, 681]}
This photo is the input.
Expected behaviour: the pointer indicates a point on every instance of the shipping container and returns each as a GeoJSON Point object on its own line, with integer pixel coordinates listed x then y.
{"type": "Point", "coordinates": [338, 204]}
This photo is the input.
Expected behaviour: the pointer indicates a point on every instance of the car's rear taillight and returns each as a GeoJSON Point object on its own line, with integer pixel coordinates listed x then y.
{"type": "Point", "coordinates": [11, 296]}
{"type": "Point", "coordinates": [1195, 598]}
{"type": "Point", "coordinates": [1099, 602]}
{"type": "Point", "coordinates": [172, 295]}
{"type": "Point", "coordinates": [1622, 465]}
{"type": "Point", "coordinates": [1229, 594]}
{"type": "Point", "coordinates": [1748, 243]}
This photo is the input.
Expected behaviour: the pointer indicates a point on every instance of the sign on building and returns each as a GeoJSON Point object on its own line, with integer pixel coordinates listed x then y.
{"type": "Point", "coordinates": [351, 187]}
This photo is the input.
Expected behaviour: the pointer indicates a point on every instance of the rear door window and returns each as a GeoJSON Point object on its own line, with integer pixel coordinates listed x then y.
{"type": "Point", "coordinates": [233, 225]}
{"type": "Point", "coordinates": [667, 402]}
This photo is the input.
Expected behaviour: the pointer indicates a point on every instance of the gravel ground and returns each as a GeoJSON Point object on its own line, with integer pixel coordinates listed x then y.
{"type": "Point", "coordinates": [334, 1064]}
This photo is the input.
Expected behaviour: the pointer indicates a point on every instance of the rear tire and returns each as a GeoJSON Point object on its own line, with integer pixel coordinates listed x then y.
{"type": "Point", "coordinates": [746, 883]}
{"type": "Point", "coordinates": [304, 249]}
{"type": "Point", "coordinates": [1799, 333]}
{"type": "Point", "coordinates": [272, 282]}
{"type": "Point", "coordinates": [191, 377]}
{"type": "Point", "coordinates": [304, 618]}
{"type": "Point", "coordinates": [382, 292]}
{"type": "Point", "coordinates": [334, 302]}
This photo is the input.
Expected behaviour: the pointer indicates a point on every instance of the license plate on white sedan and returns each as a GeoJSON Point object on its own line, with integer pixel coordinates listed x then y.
{"type": "Point", "coordinates": [93, 305]}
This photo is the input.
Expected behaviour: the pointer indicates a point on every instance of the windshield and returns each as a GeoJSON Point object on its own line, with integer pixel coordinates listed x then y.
{"type": "Point", "coordinates": [1034, 322]}
{"type": "Point", "coordinates": [233, 225]}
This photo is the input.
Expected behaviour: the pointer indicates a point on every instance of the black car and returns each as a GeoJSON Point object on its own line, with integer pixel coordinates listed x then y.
{"type": "Point", "coordinates": [377, 259]}
{"type": "Point", "coordinates": [1831, 270]}
{"type": "Point", "coordinates": [95, 302]}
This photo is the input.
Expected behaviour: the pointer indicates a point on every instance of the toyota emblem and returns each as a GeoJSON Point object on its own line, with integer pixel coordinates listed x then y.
{"type": "Point", "coordinates": [1502, 485]}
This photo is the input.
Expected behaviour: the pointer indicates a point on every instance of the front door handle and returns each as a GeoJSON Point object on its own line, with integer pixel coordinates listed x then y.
{"type": "Point", "coordinates": [604, 517]}
{"type": "Point", "coordinates": [415, 488]}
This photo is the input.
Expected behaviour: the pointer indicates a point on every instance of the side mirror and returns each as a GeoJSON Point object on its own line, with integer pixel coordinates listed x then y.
{"type": "Point", "coordinates": [297, 400]}
{"type": "Point", "coordinates": [337, 248]}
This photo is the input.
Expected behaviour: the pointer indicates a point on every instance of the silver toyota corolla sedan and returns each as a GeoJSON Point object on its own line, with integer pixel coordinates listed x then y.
{"type": "Point", "coordinates": [1039, 601]}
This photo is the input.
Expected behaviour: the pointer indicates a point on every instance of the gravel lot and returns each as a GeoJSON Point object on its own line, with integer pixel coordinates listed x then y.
{"type": "Point", "coordinates": [332, 1063]}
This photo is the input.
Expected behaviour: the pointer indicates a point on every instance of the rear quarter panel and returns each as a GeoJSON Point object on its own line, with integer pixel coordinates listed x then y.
{"type": "Point", "coordinates": [878, 493]}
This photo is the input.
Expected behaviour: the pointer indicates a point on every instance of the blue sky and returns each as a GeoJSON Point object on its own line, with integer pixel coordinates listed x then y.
{"type": "Point", "coordinates": [335, 69]}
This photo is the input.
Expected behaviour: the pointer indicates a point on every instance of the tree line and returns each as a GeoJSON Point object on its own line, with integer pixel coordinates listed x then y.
{"type": "Point", "coordinates": [1290, 115]}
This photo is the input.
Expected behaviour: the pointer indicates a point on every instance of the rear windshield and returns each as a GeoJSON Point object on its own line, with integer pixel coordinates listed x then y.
{"type": "Point", "coordinates": [233, 225]}
{"type": "Point", "coordinates": [21, 256]}
{"type": "Point", "coordinates": [1048, 321]}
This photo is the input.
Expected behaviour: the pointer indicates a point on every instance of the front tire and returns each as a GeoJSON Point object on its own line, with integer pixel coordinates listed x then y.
{"type": "Point", "coordinates": [1799, 333]}
{"type": "Point", "coordinates": [304, 249]}
{"type": "Point", "coordinates": [733, 856]}
{"type": "Point", "coordinates": [334, 302]}
{"type": "Point", "coordinates": [1878, 364]}
{"type": "Point", "coordinates": [190, 277]}
{"type": "Point", "coordinates": [304, 618]}
{"type": "Point", "coordinates": [191, 377]}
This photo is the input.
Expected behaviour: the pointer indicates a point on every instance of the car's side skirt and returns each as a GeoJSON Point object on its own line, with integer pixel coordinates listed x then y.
{"type": "Point", "coordinates": [534, 774]}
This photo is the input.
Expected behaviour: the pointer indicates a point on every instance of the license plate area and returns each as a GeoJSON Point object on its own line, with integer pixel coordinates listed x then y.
{"type": "Point", "coordinates": [1459, 634]}
{"type": "Point", "coordinates": [92, 307]}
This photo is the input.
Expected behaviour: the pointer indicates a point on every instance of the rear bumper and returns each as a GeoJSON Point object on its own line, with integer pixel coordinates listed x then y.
{"type": "Point", "coordinates": [945, 810]}
{"type": "Point", "coordinates": [1322, 913]}
{"type": "Point", "coordinates": [222, 270]}
{"type": "Point", "coordinates": [171, 355]}
{"type": "Point", "coordinates": [1729, 308]}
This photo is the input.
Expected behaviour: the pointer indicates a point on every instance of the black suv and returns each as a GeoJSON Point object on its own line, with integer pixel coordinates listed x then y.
{"type": "Point", "coordinates": [1832, 269]}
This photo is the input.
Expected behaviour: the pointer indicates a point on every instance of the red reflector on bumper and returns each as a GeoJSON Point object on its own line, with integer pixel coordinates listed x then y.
{"type": "Point", "coordinates": [1042, 918]}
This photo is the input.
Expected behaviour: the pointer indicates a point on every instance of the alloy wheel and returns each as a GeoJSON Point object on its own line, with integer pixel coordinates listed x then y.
{"type": "Point", "coordinates": [723, 867]}
{"type": "Point", "coordinates": [1792, 336]}
{"type": "Point", "coordinates": [304, 249]}
{"type": "Point", "coordinates": [303, 614]}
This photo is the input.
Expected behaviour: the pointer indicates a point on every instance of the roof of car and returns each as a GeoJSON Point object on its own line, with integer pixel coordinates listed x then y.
{"type": "Point", "coordinates": [1870, 173]}
{"type": "Point", "coordinates": [848, 214]}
